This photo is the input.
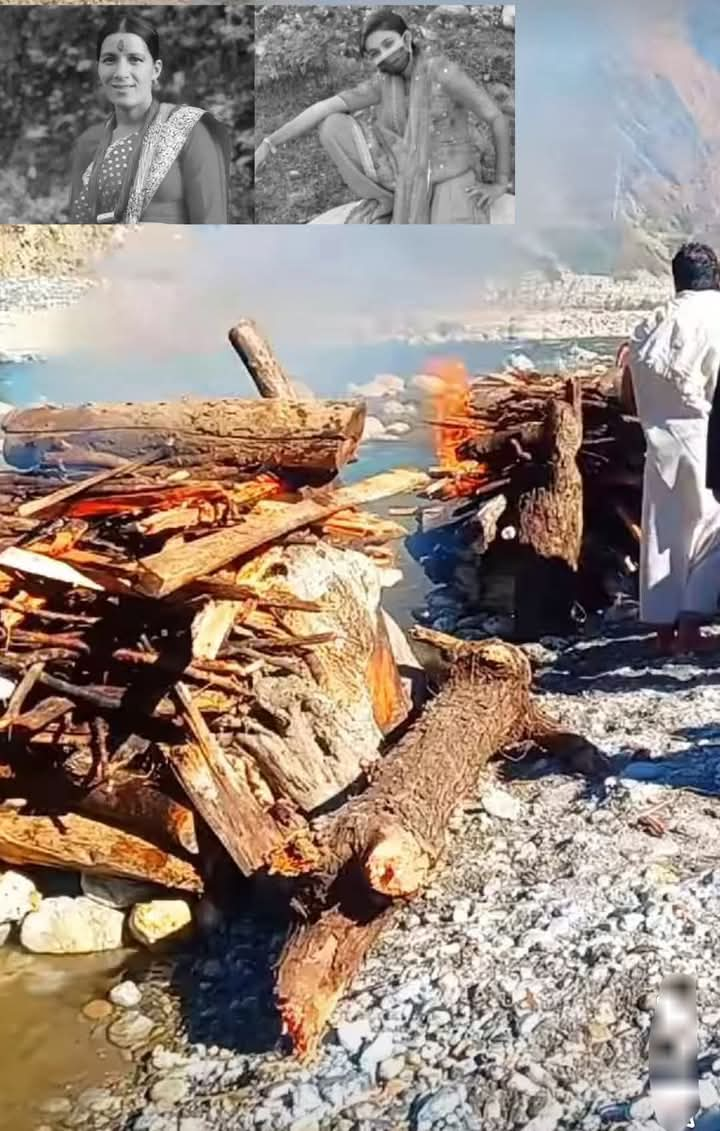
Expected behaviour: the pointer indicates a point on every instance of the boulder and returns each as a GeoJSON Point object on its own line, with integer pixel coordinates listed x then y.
{"type": "Point", "coordinates": [62, 925]}
{"type": "Point", "coordinates": [384, 385]}
{"type": "Point", "coordinates": [374, 429]}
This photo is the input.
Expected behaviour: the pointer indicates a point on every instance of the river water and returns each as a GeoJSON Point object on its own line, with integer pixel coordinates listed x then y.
{"type": "Point", "coordinates": [48, 1049]}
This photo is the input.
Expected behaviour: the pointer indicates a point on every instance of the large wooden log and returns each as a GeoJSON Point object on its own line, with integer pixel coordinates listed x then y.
{"type": "Point", "coordinates": [176, 566]}
{"type": "Point", "coordinates": [317, 964]}
{"type": "Point", "coordinates": [317, 436]}
{"type": "Point", "coordinates": [68, 841]}
{"type": "Point", "coordinates": [550, 523]}
{"type": "Point", "coordinates": [224, 794]}
{"type": "Point", "coordinates": [123, 798]}
{"type": "Point", "coordinates": [131, 803]}
{"type": "Point", "coordinates": [382, 844]}
{"type": "Point", "coordinates": [394, 832]}
{"type": "Point", "coordinates": [255, 351]}
{"type": "Point", "coordinates": [311, 733]}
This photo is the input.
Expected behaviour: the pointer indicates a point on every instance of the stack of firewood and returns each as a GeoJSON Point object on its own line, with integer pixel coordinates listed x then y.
{"type": "Point", "coordinates": [196, 668]}
{"type": "Point", "coordinates": [535, 467]}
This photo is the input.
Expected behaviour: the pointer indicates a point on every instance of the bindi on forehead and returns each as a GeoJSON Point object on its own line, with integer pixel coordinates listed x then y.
{"type": "Point", "coordinates": [125, 44]}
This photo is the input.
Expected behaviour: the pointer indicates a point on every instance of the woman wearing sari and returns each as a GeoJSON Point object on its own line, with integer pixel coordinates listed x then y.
{"type": "Point", "coordinates": [150, 161]}
{"type": "Point", "coordinates": [422, 106]}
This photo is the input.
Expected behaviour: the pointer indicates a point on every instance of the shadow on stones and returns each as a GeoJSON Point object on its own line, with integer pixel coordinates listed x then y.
{"type": "Point", "coordinates": [624, 660]}
{"type": "Point", "coordinates": [223, 979]}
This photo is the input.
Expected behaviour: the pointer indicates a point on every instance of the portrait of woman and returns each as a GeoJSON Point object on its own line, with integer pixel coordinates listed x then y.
{"type": "Point", "coordinates": [414, 160]}
{"type": "Point", "coordinates": [150, 161]}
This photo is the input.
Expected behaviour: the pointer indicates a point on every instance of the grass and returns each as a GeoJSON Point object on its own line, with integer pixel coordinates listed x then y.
{"type": "Point", "coordinates": [299, 182]}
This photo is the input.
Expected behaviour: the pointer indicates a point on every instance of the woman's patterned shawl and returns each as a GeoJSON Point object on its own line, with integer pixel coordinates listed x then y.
{"type": "Point", "coordinates": [159, 143]}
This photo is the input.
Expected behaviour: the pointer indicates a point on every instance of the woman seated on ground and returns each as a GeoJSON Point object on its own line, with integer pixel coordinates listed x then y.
{"type": "Point", "coordinates": [670, 373]}
{"type": "Point", "coordinates": [369, 155]}
{"type": "Point", "coordinates": [152, 161]}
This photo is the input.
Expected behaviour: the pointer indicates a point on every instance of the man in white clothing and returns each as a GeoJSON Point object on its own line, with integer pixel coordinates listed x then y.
{"type": "Point", "coordinates": [673, 361]}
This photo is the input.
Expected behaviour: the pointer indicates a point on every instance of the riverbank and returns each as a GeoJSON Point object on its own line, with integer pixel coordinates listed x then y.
{"type": "Point", "coordinates": [515, 993]}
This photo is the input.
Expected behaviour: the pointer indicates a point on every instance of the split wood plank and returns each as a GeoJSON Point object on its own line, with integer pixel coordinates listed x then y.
{"type": "Point", "coordinates": [172, 568]}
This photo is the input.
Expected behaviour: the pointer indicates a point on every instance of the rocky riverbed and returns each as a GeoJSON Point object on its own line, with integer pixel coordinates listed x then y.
{"type": "Point", "coordinates": [517, 992]}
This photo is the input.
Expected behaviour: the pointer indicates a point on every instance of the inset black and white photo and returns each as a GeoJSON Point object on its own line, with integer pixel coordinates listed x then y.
{"type": "Point", "coordinates": [126, 114]}
{"type": "Point", "coordinates": [368, 115]}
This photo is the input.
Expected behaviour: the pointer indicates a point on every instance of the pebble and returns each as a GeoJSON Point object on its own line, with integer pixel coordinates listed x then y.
{"type": "Point", "coordinates": [462, 911]}
{"type": "Point", "coordinates": [306, 1099]}
{"type": "Point", "coordinates": [391, 1067]}
{"type": "Point", "coordinates": [548, 1118]}
{"type": "Point", "coordinates": [437, 1106]}
{"type": "Point", "coordinates": [353, 1034]}
{"type": "Point", "coordinates": [169, 1090]}
{"type": "Point", "coordinates": [498, 803]}
{"type": "Point", "coordinates": [97, 1010]}
{"type": "Point", "coordinates": [126, 995]}
{"type": "Point", "coordinates": [523, 1084]}
{"type": "Point", "coordinates": [642, 1108]}
{"type": "Point", "coordinates": [99, 1101]}
{"type": "Point", "coordinates": [530, 1023]}
{"type": "Point", "coordinates": [55, 1105]}
{"type": "Point", "coordinates": [343, 1090]}
{"type": "Point", "coordinates": [708, 1094]}
{"type": "Point", "coordinates": [539, 655]}
{"type": "Point", "coordinates": [130, 1030]}
{"type": "Point", "coordinates": [379, 1049]}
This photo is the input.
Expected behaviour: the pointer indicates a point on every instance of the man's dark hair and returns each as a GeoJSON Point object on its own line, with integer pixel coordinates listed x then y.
{"type": "Point", "coordinates": [696, 268]}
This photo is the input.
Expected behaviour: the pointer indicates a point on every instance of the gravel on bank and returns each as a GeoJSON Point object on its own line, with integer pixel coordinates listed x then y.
{"type": "Point", "coordinates": [516, 994]}
{"type": "Point", "coordinates": [54, 250]}
{"type": "Point", "coordinates": [46, 267]}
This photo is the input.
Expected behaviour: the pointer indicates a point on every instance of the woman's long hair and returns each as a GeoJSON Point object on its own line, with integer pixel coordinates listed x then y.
{"type": "Point", "coordinates": [131, 25]}
{"type": "Point", "coordinates": [384, 19]}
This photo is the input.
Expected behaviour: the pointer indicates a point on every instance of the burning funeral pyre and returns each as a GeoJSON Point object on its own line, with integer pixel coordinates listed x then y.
{"type": "Point", "coordinates": [197, 670]}
{"type": "Point", "coordinates": [536, 501]}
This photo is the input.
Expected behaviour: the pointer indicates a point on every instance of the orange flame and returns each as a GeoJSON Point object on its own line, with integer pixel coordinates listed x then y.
{"type": "Point", "coordinates": [448, 408]}
{"type": "Point", "coordinates": [448, 401]}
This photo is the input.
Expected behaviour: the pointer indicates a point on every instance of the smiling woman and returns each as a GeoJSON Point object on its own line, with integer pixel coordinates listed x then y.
{"type": "Point", "coordinates": [152, 161]}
